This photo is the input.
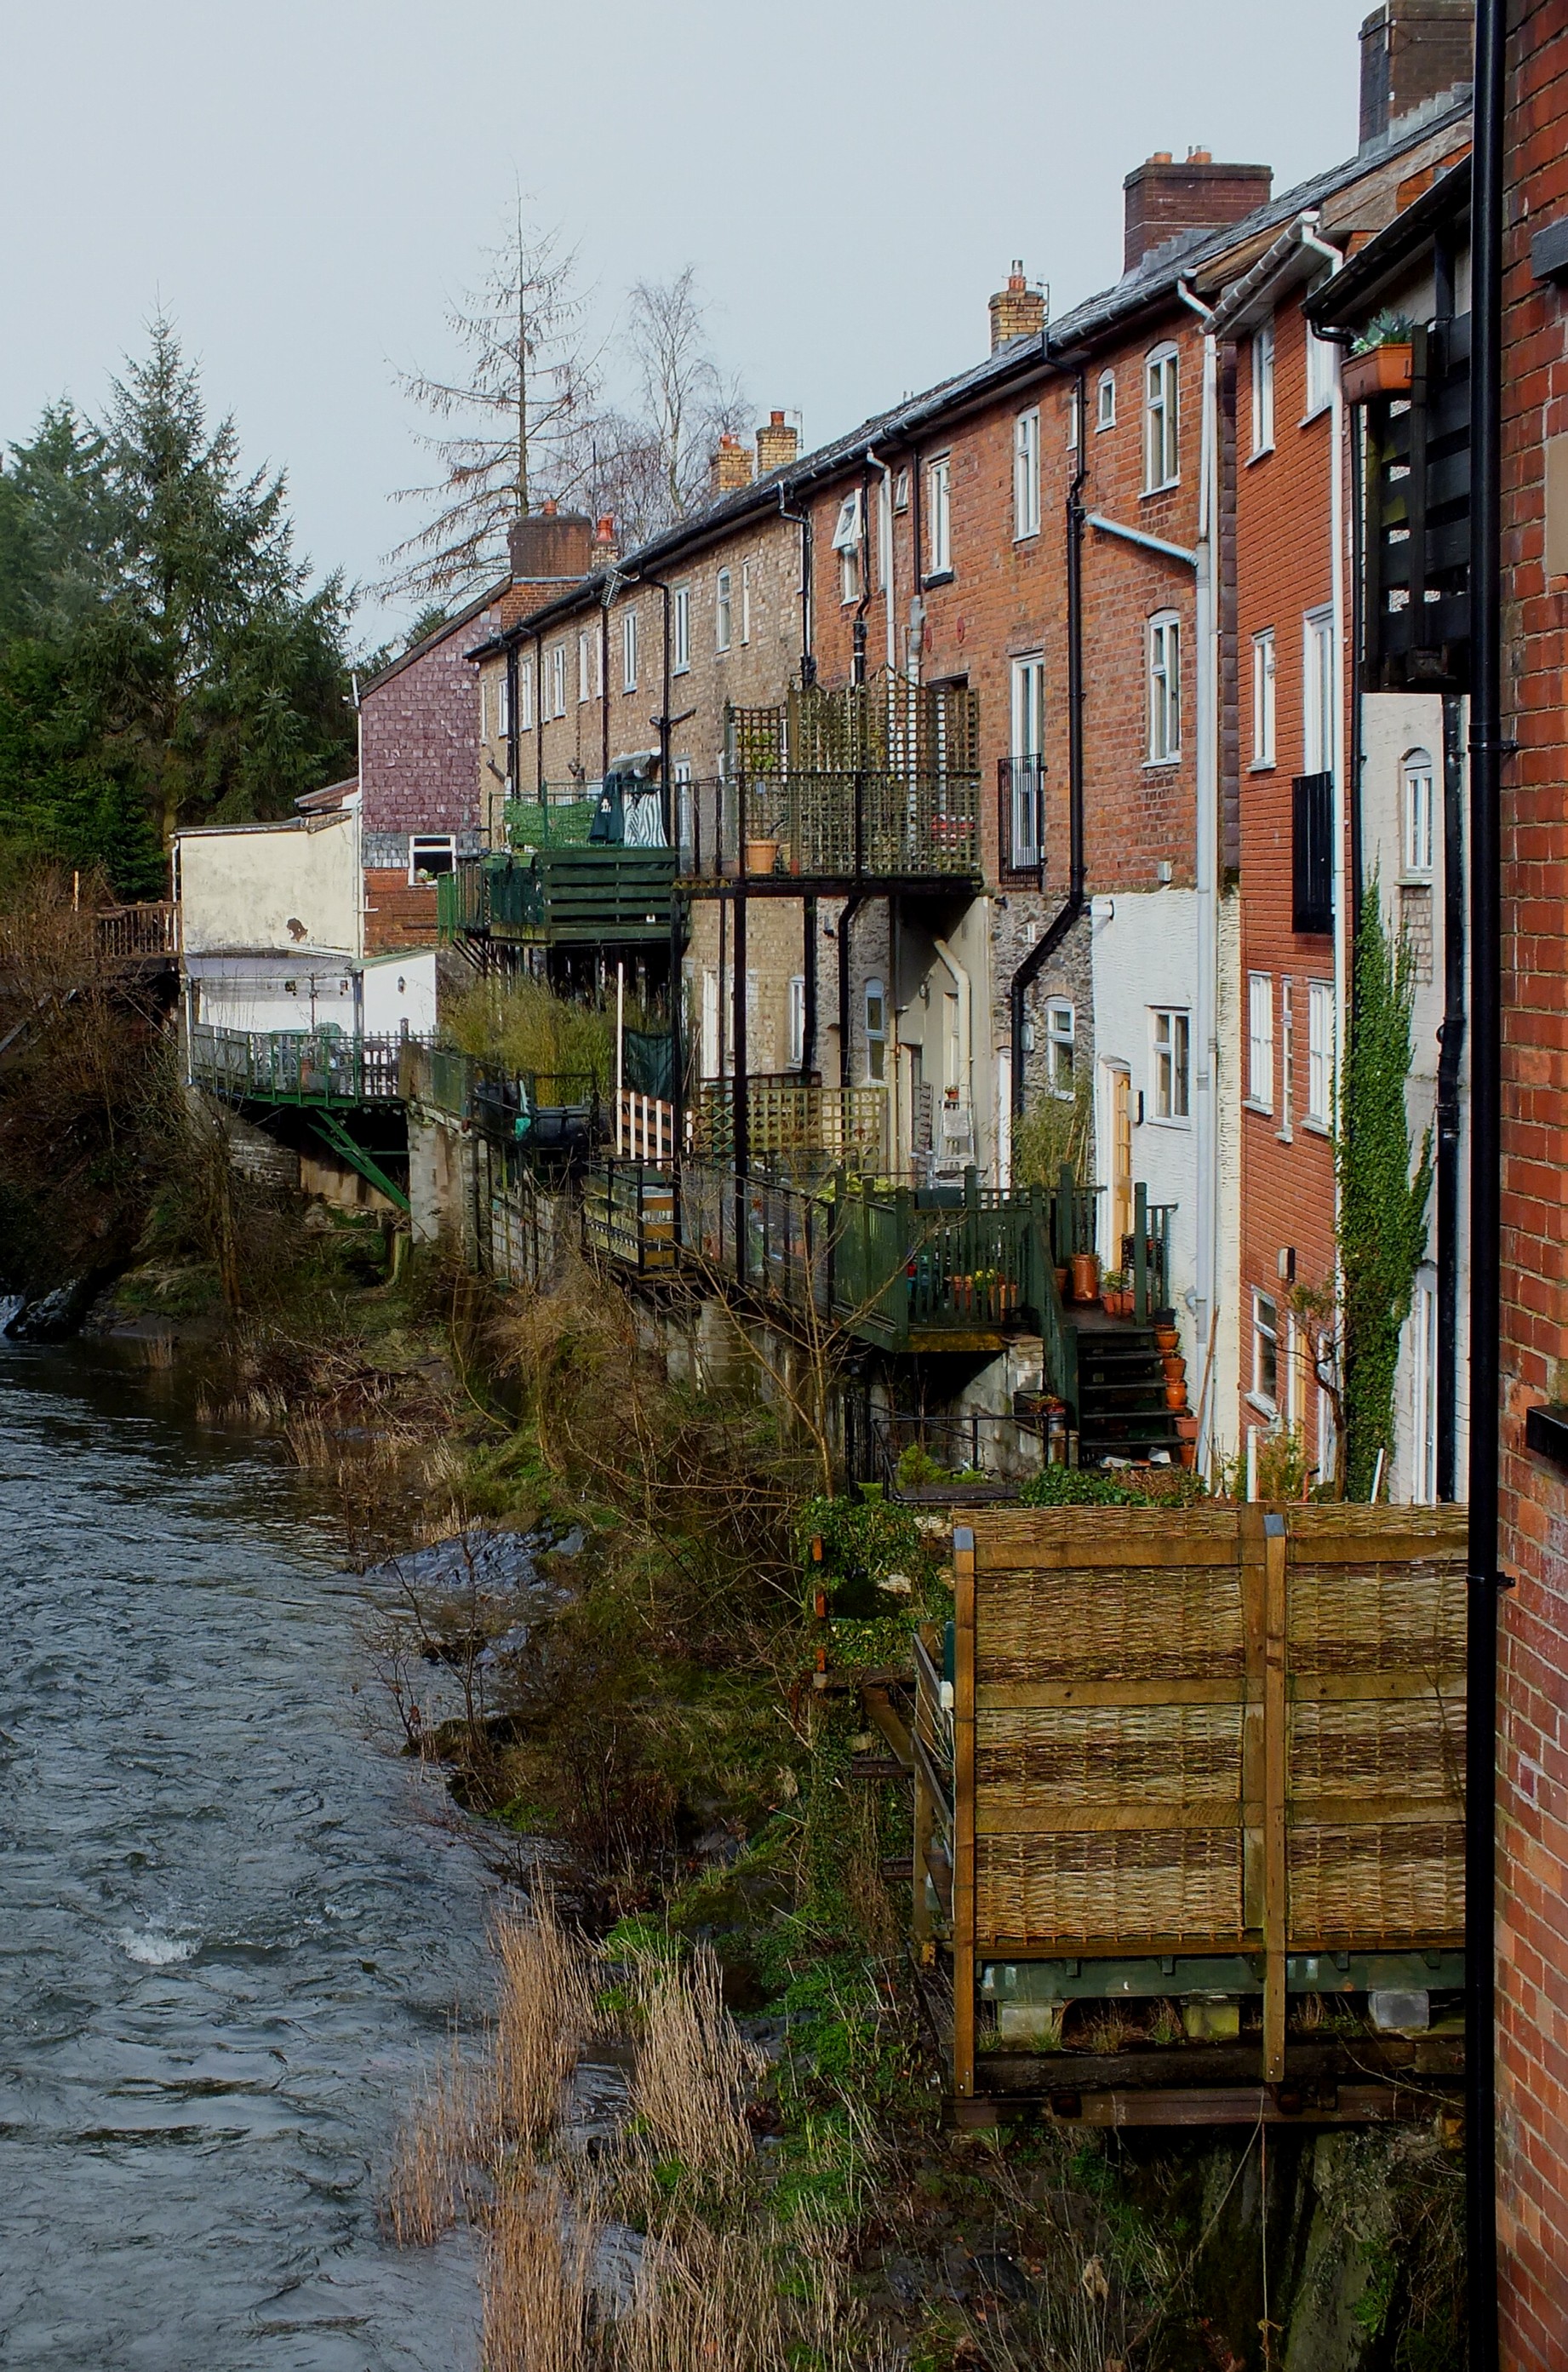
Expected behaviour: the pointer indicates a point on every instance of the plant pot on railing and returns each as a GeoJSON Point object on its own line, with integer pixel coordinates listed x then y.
{"type": "Point", "coordinates": [762, 855]}
{"type": "Point", "coordinates": [1383, 370]}
{"type": "Point", "coordinates": [1085, 1276]}
{"type": "Point", "coordinates": [1166, 1339]}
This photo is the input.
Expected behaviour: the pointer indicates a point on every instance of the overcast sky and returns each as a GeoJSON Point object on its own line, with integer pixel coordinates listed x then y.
{"type": "Point", "coordinates": [306, 185]}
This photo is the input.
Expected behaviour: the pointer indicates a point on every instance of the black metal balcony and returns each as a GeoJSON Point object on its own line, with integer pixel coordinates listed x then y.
{"type": "Point", "coordinates": [1020, 818]}
{"type": "Point", "coordinates": [1312, 855]}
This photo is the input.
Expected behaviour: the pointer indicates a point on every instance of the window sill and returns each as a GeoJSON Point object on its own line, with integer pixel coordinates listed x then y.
{"type": "Point", "coordinates": [1161, 765]}
{"type": "Point", "coordinates": [1416, 880]}
{"type": "Point", "coordinates": [683, 669]}
{"type": "Point", "coordinates": [1104, 427]}
{"type": "Point", "coordinates": [1313, 1126]}
{"type": "Point", "coordinates": [1318, 411]}
{"type": "Point", "coordinates": [1263, 766]}
{"type": "Point", "coordinates": [1270, 1409]}
{"type": "Point", "coordinates": [1154, 1120]}
{"type": "Point", "coordinates": [1150, 493]}
{"type": "Point", "coordinates": [1286, 1135]}
{"type": "Point", "coordinates": [1026, 535]}
{"type": "Point", "coordinates": [937, 577]}
{"type": "Point", "coordinates": [1264, 1111]}
{"type": "Point", "coordinates": [1262, 454]}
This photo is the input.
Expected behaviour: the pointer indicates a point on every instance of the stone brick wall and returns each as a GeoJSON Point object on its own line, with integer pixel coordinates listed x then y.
{"type": "Point", "coordinates": [1533, 1930]}
{"type": "Point", "coordinates": [419, 726]}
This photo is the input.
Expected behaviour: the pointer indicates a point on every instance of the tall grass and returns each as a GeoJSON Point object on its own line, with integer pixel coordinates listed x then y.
{"type": "Point", "coordinates": [544, 2014]}
{"type": "Point", "coordinates": [524, 1026]}
{"type": "Point", "coordinates": [693, 2074]}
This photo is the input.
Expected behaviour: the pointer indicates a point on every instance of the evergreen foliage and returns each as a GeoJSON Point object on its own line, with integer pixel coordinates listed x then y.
{"type": "Point", "coordinates": [1382, 1202]}
{"type": "Point", "coordinates": [163, 659]}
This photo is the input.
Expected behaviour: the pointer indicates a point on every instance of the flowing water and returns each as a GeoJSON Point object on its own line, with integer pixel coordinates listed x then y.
{"type": "Point", "coordinates": [231, 1923]}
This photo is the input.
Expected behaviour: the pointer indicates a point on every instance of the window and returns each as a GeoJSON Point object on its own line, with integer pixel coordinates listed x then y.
{"type": "Point", "coordinates": [525, 696]}
{"type": "Point", "coordinates": [1025, 475]}
{"type": "Point", "coordinates": [1073, 420]}
{"type": "Point", "coordinates": [1263, 698]}
{"type": "Point", "coordinates": [1322, 372]}
{"type": "Point", "coordinates": [875, 1032]}
{"type": "Point", "coordinates": [558, 681]}
{"type": "Point", "coordinates": [939, 517]}
{"type": "Point", "coordinates": [1161, 422]}
{"type": "Point", "coordinates": [629, 651]}
{"type": "Point", "coordinates": [902, 491]}
{"type": "Point", "coordinates": [1424, 1396]}
{"type": "Point", "coordinates": [1263, 388]}
{"type": "Point", "coordinates": [1173, 1095]}
{"type": "Point", "coordinates": [584, 667]}
{"type": "Point", "coordinates": [847, 544]}
{"type": "Point", "coordinates": [1266, 1350]}
{"type": "Point", "coordinates": [1024, 771]}
{"type": "Point", "coordinates": [1105, 401]}
{"type": "Point", "coordinates": [1165, 688]}
{"type": "Point", "coordinates": [680, 775]}
{"type": "Point", "coordinates": [1060, 1046]}
{"type": "Point", "coordinates": [1319, 1053]}
{"type": "Point", "coordinates": [797, 1022]}
{"type": "Point", "coordinates": [745, 600]}
{"type": "Point", "coordinates": [680, 623]}
{"type": "Point", "coordinates": [1287, 1059]}
{"type": "Point", "coordinates": [1260, 1040]}
{"type": "Point", "coordinates": [724, 609]}
{"type": "Point", "coordinates": [502, 708]}
{"type": "Point", "coordinates": [1418, 807]}
{"type": "Point", "coordinates": [1317, 692]}
{"type": "Point", "coordinates": [430, 853]}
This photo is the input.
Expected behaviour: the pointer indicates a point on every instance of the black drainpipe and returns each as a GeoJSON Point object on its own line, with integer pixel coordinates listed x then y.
{"type": "Point", "coordinates": [539, 714]}
{"type": "Point", "coordinates": [802, 519]}
{"type": "Point", "coordinates": [1451, 1046]}
{"type": "Point", "coordinates": [1486, 1146]}
{"type": "Point", "coordinates": [1069, 910]}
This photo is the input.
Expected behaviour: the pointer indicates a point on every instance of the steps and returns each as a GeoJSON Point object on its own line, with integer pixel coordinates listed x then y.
{"type": "Point", "coordinates": [1121, 1405]}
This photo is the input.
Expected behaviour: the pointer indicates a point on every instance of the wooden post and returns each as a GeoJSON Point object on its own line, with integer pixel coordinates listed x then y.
{"type": "Point", "coordinates": [1275, 1876]}
{"type": "Point", "coordinates": [963, 1814]}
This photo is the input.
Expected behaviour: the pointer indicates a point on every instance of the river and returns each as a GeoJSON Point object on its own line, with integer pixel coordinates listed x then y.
{"type": "Point", "coordinates": [231, 1923]}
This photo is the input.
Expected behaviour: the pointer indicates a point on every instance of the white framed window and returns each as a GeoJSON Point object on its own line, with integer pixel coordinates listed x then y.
{"type": "Point", "coordinates": [1162, 427]}
{"type": "Point", "coordinates": [1029, 742]}
{"type": "Point", "coordinates": [1287, 1059]}
{"type": "Point", "coordinates": [746, 601]}
{"type": "Point", "coordinates": [724, 609]}
{"type": "Point", "coordinates": [1320, 678]}
{"type": "Point", "coordinates": [1420, 807]}
{"type": "Point", "coordinates": [1263, 698]}
{"type": "Point", "coordinates": [680, 629]}
{"type": "Point", "coordinates": [680, 777]}
{"type": "Point", "coordinates": [525, 695]}
{"type": "Point", "coordinates": [503, 707]}
{"type": "Point", "coordinates": [939, 515]}
{"type": "Point", "coordinates": [430, 854]}
{"type": "Point", "coordinates": [1266, 1350]}
{"type": "Point", "coordinates": [1319, 1110]}
{"type": "Point", "coordinates": [1424, 1396]}
{"type": "Point", "coordinates": [1260, 1040]}
{"type": "Point", "coordinates": [1322, 372]}
{"type": "Point", "coordinates": [847, 542]}
{"type": "Point", "coordinates": [1172, 1064]}
{"type": "Point", "coordinates": [584, 667]}
{"type": "Point", "coordinates": [1073, 418]}
{"type": "Point", "coordinates": [1028, 706]}
{"type": "Point", "coordinates": [1061, 1045]}
{"type": "Point", "coordinates": [629, 650]}
{"type": "Point", "coordinates": [1165, 687]}
{"type": "Point", "coordinates": [875, 1032]}
{"type": "Point", "coordinates": [902, 491]}
{"type": "Point", "coordinates": [1263, 388]}
{"type": "Point", "coordinates": [1026, 474]}
{"type": "Point", "coordinates": [797, 1021]}
{"type": "Point", "coordinates": [1105, 401]}
{"type": "Point", "coordinates": [558, 681]}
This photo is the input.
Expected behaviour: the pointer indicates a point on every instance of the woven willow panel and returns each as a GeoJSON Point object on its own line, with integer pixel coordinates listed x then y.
{"type": "Point", "coordinates": [1394, 1884]}
{"type": "Point", "coordinates": [1095, 1754]}
{"type": "Point", "coordinates": [1377, 1618]}
{"type": "Point", "coordinates": [1168, 1622]}
{"type": "Point", "coordinates": [1357, 1748]}
{"type": "Point", "coordinates": [1123, 1892]}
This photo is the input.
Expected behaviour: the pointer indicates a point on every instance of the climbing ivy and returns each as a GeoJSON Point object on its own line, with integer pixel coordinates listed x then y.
{"type": "Point", "coordinates": [1382, 1203]}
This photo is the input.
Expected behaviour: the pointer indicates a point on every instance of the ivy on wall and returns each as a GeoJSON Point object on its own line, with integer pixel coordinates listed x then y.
{"type": "Point", "coordinates": [1383, 1199]}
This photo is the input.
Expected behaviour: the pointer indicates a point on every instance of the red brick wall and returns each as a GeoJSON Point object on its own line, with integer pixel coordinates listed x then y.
{"type": "Point", "coordinates": [1533, 1938]}
{"type": "Point", "coordinates": [1282, 570]}
{"type": "Point", "coordinates": [398, 912]}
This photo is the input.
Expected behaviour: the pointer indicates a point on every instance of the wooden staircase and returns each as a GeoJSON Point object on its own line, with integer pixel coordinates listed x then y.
{"type": "Point", "coordinates": [1121, 1403]}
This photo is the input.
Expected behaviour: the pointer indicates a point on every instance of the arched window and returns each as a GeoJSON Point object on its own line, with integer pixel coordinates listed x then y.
{"type": "Point", "coordinates": [1165, 687]}
{"type": "Point", "coordinates": [1162, 452]}
{"type": "Point", "coordinates": [1418, 802]}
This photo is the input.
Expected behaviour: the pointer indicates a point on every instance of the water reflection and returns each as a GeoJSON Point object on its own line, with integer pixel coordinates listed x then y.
{"type": "Point", "coordinates": [230, 1923]}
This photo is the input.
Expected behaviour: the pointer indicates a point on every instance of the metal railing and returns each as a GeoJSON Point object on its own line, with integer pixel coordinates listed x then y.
{"type": "Point", "coordinates": [314, 1067]}
{"type": "Point", "coordinates": [1020, 818]}
{"type": "Point", "coordinates": [914, 1453]}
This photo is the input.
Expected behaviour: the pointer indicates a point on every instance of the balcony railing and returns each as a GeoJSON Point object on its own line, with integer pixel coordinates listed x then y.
{"type": "Point", "coordinates": [799, 1129]}
{"type": "Point", "coordinates": [295, 1066]}
{"type": "Point", "coordinates": [1312, 855]}
{"type": "Point", "coordinates": [1020, 818]}
{"type": "Point", "coordinates": [135, 934]}
{"type": "Point", "coordinates": [830, 828]}
{"type": "Point", "coordinates": [562, 896]}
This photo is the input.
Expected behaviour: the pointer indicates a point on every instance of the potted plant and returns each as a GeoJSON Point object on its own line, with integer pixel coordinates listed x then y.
{"type": "Point", "coordinates": [1175, 1367]}
{"type": "Point", "coordinates": [1166, 1337]}
{"type": "Point", "coordinates": [1085, 1276]}
{"type": "Point", "coordinates": [1382, 361]}
{"type": "Point", "coordinates": [1176, 1393]}
{"type": "Point", "coordinates": [762, 855]}
{"type": "Point", "coordinates": [1116, 1293]}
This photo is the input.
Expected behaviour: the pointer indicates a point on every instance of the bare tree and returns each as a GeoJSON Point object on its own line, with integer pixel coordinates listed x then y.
{"type": "Point", "coordinates": [515, 427]}
{"type": "Point", "coordinates": [686, 402]}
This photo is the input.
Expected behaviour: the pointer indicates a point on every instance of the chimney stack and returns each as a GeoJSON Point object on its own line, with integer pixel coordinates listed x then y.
{"type": "Point", "coordinates": [551, 549]}
{"type": "Point", "coordinates": [1017, 310]}
{"type": "Point", "coordinates": [606, 548]}
{"type": "Point", "coordinates": [1412, 50]}
{"type": "Point", "coordinates": [730, 467]}
{"type": "Point", "coordinates": [1164, 199]}
{"type": "Point", "coordinates": [777, 445]}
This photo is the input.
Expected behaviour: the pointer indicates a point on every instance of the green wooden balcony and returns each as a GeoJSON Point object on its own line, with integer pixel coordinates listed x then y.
{"type": "Point", "coordinates": [562, 897]}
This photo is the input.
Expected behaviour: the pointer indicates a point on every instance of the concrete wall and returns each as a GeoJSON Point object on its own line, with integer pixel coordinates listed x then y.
{"type": "Point", "coordinates": [398, 995]}
{"type": "Point", "coordinates": [275, 885]}
{"type": "Point", "coordinates": [272, 992]}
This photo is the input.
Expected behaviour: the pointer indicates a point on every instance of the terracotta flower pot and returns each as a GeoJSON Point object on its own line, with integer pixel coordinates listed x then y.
{"type": "Point", "coordinates": [1165, 1339]}
{"type": "Point", "coordinates": [1386, 370]}
{"type": "Point", "coordinates": [1175, 1396]}
{"type": "Point", "coordinates": [762, 855]}
{"type": "Point", "coordinates": [1062, 1282]}
{"type": "Point", "coordinates": [1175, 1367]}
{"type": "Point", "coordinates": [1085, 1275]}
{"type": "Point", "coordinates": [1187, 1427]}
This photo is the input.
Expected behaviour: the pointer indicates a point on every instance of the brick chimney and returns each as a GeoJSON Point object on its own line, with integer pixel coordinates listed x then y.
{"type": "Point", "coordinates": [1412, 50]}
{"type": "Point", "coordinates": [777, 443]}
{"type": "Point", "coordinates": [1017, 310]}
{"type": "Point", "coordinates": [1164, 198]}
{"type": "Point", "coordinates": [606, 548]}
{"type": "Point", "coordinates": [730, 467]}
{"type": "Point", "coordinates": [551, 551]}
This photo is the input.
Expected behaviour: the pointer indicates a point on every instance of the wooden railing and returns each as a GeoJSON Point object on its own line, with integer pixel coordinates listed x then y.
{"type": "Point", "coordinates": [645, 1127]}
{"type": "Point", "coordinates": [801, 1128]}
{"type": "Point", "coordinates": [629, 1215]}
{"type": "Point", "coordinates": [131, 934]}
{"type": "Point", "coordinates": [831, 827]}
{"type": "Point", "coordinates": [295, 1066]}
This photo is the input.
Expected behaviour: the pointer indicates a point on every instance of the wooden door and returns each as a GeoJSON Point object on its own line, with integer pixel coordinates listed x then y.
{"type": "Point", "coordinates": [1121, 1164]}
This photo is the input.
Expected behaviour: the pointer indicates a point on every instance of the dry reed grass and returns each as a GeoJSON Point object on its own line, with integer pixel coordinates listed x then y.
{"type": "Point", "coordinates": [692, 2073]}
{"type": "Point", "coordinates": [540, 2300]}
{"type": "Point", "coordinates": [543, 2018]}
{"type": "Point", "coordinates": [432, 2185]}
